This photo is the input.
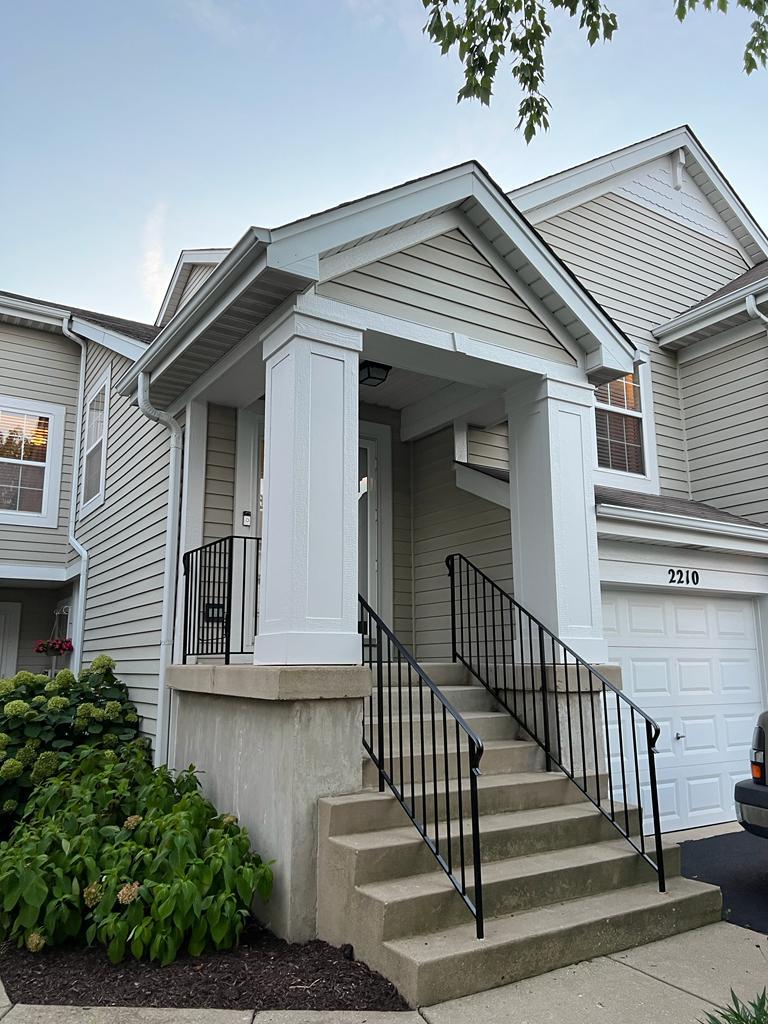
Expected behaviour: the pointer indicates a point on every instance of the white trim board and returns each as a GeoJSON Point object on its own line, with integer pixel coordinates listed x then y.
{"type": "Point", "coordinates": [38, 573]}
{"type": "Point", "coordinates": [382, 435]}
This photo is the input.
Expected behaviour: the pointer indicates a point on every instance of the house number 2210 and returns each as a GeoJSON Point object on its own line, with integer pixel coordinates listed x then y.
{"type": "Point", "coordinates": [683, 577]}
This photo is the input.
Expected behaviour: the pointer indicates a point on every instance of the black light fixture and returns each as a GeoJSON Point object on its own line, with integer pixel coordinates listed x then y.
{"type": "Point", "coordinates": [373, 374]}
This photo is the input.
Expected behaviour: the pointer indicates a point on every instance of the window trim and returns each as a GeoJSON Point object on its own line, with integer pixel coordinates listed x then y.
{"type": "Point", "coordinates": [48, 517]}
{"type": "Point", "coordinates": [648, 482]}
{"type": "Point", "coordinates": [103, 382]}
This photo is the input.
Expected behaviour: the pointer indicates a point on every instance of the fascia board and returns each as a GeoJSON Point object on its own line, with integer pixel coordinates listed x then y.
{"type": "Point", "coordinates": [644, 525]}
{"type": "Point", "coordinates": [109, 339]}
{"type": "Point", "coordinates": [49, 316]}
{"type": "Point", "coordinates": [237, 266]}
{"type": "Point", "coordinates": [707, 315]}
{"type": "Point", "coordinates": [619, 351]}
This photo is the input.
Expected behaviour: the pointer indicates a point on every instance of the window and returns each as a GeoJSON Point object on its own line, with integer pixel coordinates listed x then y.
{"type": "Point", "coordinates": [619, 424]}
{"type": "Point", "coordinates": [31, 440]}
{"type": "Point", "coordinates": [23, 460]}
{"type": "Point", "coordinates": [95, 446]}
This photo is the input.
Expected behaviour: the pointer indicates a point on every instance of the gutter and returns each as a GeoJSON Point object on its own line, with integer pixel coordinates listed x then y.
{"type": "Point", "coordinates": [752, 310]}
{"type": "Point", "coordinates": [77, 642]}
{"type": "Point", "coordinates": [728, 305]}
{"type": "Point", "coordinates": [171, 557]}
{"type": "Point", "coordinates": [672, 520]}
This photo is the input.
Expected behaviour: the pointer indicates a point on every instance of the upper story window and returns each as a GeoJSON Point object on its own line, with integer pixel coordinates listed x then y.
{"type": "Point", "coordinates": [31, 441]}
{"type": "Point", "coordinates": [95, 446]}
{"type": "Point", "coordinates": [619, 424]}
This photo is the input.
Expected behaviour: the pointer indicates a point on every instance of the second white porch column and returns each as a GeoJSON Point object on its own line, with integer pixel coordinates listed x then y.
{"type": "Point", "coordinates": [308, 590]}
{"type": "Point", "coordinates": [554, 530]}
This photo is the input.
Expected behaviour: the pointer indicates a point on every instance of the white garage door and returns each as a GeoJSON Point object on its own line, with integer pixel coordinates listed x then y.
{"type": "Point", "coordinates": [690, 661]}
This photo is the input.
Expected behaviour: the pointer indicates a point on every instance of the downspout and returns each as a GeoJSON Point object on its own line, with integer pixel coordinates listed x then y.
{"type": "Point", "coordinates": [754, 312]}
{"type": "Point", "coordinates": [81, 550]}
{"type": "Point", "coordinates": [171, 555]}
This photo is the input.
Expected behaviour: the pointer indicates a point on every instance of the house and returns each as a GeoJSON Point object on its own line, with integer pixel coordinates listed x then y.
{"type": "Point", "coordinates": [464, 438]}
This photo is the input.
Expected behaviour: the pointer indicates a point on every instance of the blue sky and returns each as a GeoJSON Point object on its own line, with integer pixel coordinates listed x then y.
{"type": "Point", "coordinates": [133, 130]}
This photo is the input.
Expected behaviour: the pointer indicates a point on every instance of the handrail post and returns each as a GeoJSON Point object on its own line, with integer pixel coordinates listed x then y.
{"type": "Point", "coordinates": [449, 562]}
{"type": "Point", "coordinates": [477, 866]}
{"type": "Point", "coordinates": [380, 707]}
{"type": "Point", "coordinates": [545, 700]}
{"type": "Point", "coordinates": [187, 587]}
{"type": "Point", "coordinates": [228, 599]}
{"type": "Point", "coordinates": [651, 740]}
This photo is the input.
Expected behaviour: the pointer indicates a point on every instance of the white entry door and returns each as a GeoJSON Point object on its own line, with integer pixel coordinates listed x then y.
{"type": "Point", "coordinates": [10, 620]}
{"type": "Point", "coordinates": [691, 662]}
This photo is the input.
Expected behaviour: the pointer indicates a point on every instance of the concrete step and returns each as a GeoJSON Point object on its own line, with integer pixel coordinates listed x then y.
{"type": "Point", "coordinates": [432, 967]}
{"type": "Point", "coordinates": [489, 725]}
{"type": "Point", "coordinates": [500, 757]}
{"type": "Point", "coordinates": [369, 811]}
{"type": "Point", "coordinates": [423, 903]}
{"type": "Point", "coordinates": [398, 852]}
{"type": "Point", "coordinates": [464, 698]}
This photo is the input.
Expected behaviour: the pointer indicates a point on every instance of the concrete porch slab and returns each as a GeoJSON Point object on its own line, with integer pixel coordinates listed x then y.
{"type": "Point", "coordinates": [273, 682]}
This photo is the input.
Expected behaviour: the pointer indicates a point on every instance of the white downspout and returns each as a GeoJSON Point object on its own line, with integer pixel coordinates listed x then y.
{"type": "Point", "coordinates": [754, 312]}
{"type": "Point", "coordinates": [171, 555]}
{"type": "Point", "coordinates": [77, 640]}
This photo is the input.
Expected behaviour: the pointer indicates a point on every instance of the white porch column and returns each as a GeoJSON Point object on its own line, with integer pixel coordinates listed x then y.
{"type": "Point", "coordinates": [552, 505]}
{"type": "Point", "coordinates": [308, 590]}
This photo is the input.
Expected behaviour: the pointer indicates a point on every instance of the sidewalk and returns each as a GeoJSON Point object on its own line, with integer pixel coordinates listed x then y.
{"type": "Point", "coordinates": [675, 981]}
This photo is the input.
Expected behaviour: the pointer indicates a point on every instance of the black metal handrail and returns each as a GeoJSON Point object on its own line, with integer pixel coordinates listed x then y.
{"type": "Point", "coordinates": [603, 739]}
{"type": "Point", "coordinates": [221, 583]}
{"type": "Point", "coordinates": [416, 744]}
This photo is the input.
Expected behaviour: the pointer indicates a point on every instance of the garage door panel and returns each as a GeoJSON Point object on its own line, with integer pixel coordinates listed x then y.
{"type": "Point", "coordinates": [691, 663]}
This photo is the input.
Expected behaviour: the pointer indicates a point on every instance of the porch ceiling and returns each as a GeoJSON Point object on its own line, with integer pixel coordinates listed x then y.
{"type": "Point", "coordinates": [402, 388]}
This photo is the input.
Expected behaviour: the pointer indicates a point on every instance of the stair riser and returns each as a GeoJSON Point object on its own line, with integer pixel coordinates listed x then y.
{"type": "Point", "coordinates": [400, 860]}
{"type": "Point", "coordinates": [377, 813]}
{"type": "Point", "coordinates": [464, 698]}
{"type": "Point", "coordinates": [436, 911]}
{"type": "Point", "coordinates": [489, 966]}
{"type": "Point", "coordinates": [492, 726]}
{"type": "Point", "coordinates": [495, 762]}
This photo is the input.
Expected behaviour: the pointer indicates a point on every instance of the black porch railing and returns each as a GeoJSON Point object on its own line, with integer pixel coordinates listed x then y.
{"type": "Point", "coordinates": [587, 728]}
{"type": "Point", "coordinates": [414, 736]}
{"type": "Point", "coordinates": [221, 583]}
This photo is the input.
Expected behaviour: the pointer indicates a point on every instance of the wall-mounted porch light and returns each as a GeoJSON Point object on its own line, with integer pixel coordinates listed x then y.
{"type": "Point", "coordinates": [373, 374]}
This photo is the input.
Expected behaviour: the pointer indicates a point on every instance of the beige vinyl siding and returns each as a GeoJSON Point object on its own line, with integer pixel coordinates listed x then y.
{"type": "Point", "coordinates": [125, 538]}
{"type": "Point", "coordinates": [446, 283]}
{"type": "Point", "coordinates": [43, 367]}
{"type": "Point", "coordinates": [219, 506]}
{"type": "Point", "coordinates": [37, 608]}
{"type": "Point", "coordinates": [197, 276]}
{"type": "Point", "coordinates": [402, 575]}
{"type": "Point", "coordinates": [446, 520]}
{"type": "Point", "coordinates": [489, 446]}
{"type": "Point", "coordinates": [645, 268]}
{"type": "Point", "coordinates": [725, 399]}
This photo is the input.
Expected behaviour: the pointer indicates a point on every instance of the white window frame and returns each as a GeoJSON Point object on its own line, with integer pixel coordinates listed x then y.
{"type": "Point", "coordinates": [48, 517]}
{"type": "Point", "coordinates": [648, 482]}
{"type": "Point", "coordinates": [104, 383]}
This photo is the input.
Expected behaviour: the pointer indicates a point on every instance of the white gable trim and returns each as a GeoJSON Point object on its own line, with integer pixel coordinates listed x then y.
{"type": "Point", "coordinates": [543, 199]}
{"type": "Point", "coordinates": [109, 339]}
{"type": "Point", "coordinates": [188, 258]}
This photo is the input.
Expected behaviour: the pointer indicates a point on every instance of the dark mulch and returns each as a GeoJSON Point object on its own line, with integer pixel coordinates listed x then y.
{"type": "Point", "coordinates": [738, 863]}
{"type": "Point", "coordinates": [264, 973]}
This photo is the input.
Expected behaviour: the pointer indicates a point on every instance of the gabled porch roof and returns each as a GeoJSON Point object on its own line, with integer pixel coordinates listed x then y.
{"type": "Point", "coordinates": [267, 266]}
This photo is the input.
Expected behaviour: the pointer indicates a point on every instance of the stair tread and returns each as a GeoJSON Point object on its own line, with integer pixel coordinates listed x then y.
{"type": "Point", "coordinates": [508, 869]}
{"type": "Point", "coordinates": [558, 917]}
{"type": "Point", "coordinates": [500, 821]}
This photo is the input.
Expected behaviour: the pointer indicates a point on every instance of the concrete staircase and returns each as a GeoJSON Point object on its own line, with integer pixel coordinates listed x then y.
{"type": "Point", "coordinates": [559, 883]}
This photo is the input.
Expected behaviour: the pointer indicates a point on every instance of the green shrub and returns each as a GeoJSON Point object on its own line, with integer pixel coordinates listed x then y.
{"type": "Point", "coordinates": [737, 1012]}
{"type": "Point", "coordinates": [41, 719]}
{"type": "Point", "coordinates": [131, 857]}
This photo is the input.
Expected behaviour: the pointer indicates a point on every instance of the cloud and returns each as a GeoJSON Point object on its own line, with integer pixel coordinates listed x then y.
{"type": "Point", "coordinates": [155, 269]}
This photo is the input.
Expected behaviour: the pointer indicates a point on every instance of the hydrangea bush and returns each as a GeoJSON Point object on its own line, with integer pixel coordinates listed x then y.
{"type": "Point", "coordinates": [42, 719]}
{"type": "Point", "coordinates": [130, 857]}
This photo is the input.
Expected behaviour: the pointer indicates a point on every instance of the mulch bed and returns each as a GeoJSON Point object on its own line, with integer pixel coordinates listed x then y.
{"type": "Point", "coordinates": [263, 973]}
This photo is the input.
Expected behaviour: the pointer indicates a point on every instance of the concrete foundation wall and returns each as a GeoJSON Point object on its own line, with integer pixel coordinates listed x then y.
{"type": "Point", "coordinates": [269, 761]}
